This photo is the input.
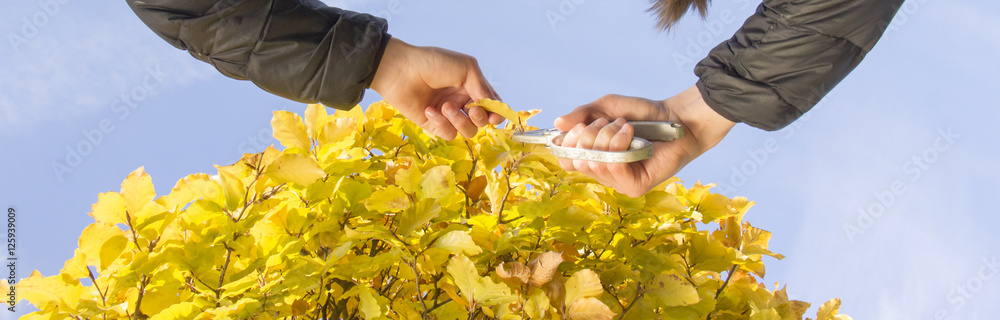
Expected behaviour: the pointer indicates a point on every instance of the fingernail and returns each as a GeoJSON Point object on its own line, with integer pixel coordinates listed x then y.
{"type": "Point", "coordinates": [477, 113]}
{"type": "Point", "coordinates": [430, 113]}
{"type": "Point", "coordinates": [450, 112]}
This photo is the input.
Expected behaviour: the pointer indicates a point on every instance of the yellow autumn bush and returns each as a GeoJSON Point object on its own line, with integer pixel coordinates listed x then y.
{"type": "Point", "coordinates": [363, 215]}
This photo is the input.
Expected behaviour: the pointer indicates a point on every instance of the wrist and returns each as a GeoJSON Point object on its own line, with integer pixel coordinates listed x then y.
{"type": "Point", "coordinates": [706, 126]}
{"type": "Point", "coordinates": [391, 66]}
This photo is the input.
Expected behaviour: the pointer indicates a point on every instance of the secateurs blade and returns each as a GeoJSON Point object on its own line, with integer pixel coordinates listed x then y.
{"type": "Point", "coordinates": [640, 149]}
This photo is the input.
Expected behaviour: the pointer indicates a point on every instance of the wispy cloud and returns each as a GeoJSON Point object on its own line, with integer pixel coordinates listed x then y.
{"type": "Point", "coordinates": [74, 67]}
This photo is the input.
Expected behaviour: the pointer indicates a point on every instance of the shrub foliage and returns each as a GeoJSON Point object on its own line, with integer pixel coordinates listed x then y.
{"type": "Point", "coordinates": [363, 215]}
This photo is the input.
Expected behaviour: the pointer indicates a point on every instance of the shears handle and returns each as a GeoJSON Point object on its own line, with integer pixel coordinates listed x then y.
{"type": "Point", "coordinates": [640, 149]}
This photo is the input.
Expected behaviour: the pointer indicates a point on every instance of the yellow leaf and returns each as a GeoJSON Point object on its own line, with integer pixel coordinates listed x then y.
{"type": "Point", "coordinates": [93, 239]}
{"type": "Point", "coordinates": [183, 310]}
{"type": "Point", "coordinates": [40, 291]}
{"type": "Point", "coordinates": [589, 309]}
{"type": "Point", "coordinates": [489, 293]}
{"type": "Point", "coordinates": [201, 186]}
{"type": "Point", "coordinates": [715, 206]}
{"type": "Point", "coordinates": [137, 190]}
{"type": "Point", "coordinates": [450, 291]}
{"type": "Point", "coordinates": [583, 284]}
{"type": "Point", "coordinates": [390, 199]}
{"type": "Point", "coordinates": [368, 306]}
{"type": "Point", "coordinates": [75, 267]}
{"type": "Point", "coordinates": [233, 189]}
{"type": "Point", "coordinates": [418, 215]}
{"type": "Point", "coordinates": [408, 179]}
{"type": "Point", "coordinates": [765, 314]}
{"type": "Point", "coordinates": [537, 305]}
{"type": "Point", "coordinates": [158, 298]}
{"type": "Point", "coordinates": [437, 182]}
{"type": "Point", "coordinates": [290, 131]}
{"type": "Point", "coordinates": [830, 310]}
{"type": "Point", "coordinates": [315, 120]}
{"type": "Point", "coordinates": [497, 107]}
{"type": "Point", "coordinates": [111, 249]}
{"type": "Point", "coordinates": [338, 130]}
{"type": "Point", "coordinates": [300, 307]}
{"type": "Point", "coordinates": [673, 291]}
{"type": "Point", "coordinates": [296, 168]}
{"type": "Point", "coordinates": [110, 208]}
{"type": "Point", "coordinates": [543, 268]}
{"type": "Point", "coordinates": [458, 242]}
{"type": "Point", "coordinates": [463, 273]}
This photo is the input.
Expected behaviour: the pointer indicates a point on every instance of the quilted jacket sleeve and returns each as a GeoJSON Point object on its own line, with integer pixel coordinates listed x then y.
{"type": "Point", "coordinates": [298, 49]}
{"type": "Point", "coordinates": [788, 56]}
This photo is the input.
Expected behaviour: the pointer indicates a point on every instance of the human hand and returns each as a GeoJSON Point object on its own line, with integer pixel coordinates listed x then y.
{"type": "Point", "coordinates": [430, 86]}
{"type": "Point", "coordinates": [588, 127]}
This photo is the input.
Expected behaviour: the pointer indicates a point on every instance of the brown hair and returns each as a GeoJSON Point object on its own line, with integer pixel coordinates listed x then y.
{"type": "Point", "coordinates": [670, 11]}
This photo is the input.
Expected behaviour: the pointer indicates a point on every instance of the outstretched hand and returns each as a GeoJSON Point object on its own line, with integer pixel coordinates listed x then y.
{"type": "Point", "coordinates": [430, 86]}
{"type": "Point", "coordinates": [602, 125]}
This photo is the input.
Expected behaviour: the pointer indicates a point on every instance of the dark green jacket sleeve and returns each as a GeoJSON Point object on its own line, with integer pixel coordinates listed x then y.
{"type": "Point", "coordinates": [788, 55]}
{"type": "Point", "coordinates": [298, 49]}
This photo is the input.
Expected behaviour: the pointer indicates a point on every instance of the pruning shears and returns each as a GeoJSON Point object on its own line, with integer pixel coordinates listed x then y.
{"type": "Point", "coordinates": [640, 149]}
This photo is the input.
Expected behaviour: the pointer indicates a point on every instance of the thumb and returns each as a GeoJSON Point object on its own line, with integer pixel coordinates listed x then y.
{"type": "Point", "coordinates": [478, 87]}
{"type": "Point", "coordinates": [578, 115]}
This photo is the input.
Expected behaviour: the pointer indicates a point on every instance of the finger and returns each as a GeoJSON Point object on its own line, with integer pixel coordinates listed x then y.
{"type": "Point", "coordinates": [478, 116]}
{"type": "Point", "coordinates": [602, 143]}
{"type": "Point", "coordinates": [459, 119]}
{"type": "Point", "coordinates": [586, 141]}
{"type": "Point", "coordinates": [578, 115]}
{"type": "Point", "coordinates": [622, 173]}
{"type": "Point", "coordinates": [623, 139]}
{"type": "Point", "coordinates": [496, 119]}
{"type": "Point", "coordinates": [569, 140]}
{"type": "Point", "coordinates": [438, 125]}
{"type": "Point", "coordinates": [477, 85]}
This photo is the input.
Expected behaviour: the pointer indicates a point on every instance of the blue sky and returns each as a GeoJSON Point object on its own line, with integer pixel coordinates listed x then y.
{"type": "Point", "coordinates": [923, 237]}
